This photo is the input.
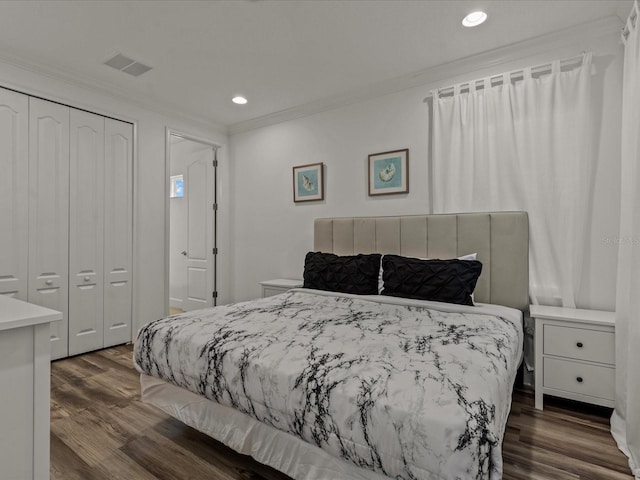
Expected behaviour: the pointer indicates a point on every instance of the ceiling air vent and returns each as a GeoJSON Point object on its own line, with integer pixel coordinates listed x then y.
{"type": "Point", "coordinates": [127, 65]}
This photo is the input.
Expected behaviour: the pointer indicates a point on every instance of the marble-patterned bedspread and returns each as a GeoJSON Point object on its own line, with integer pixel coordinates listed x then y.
{"type": "Point", "coordinates": [408, 391]}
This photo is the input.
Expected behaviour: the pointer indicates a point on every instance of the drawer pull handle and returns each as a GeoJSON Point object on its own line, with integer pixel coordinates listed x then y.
{"type": "Point", "coordinates": [579, 379]}
{"type": "Point", "coordinates": [579, 345]}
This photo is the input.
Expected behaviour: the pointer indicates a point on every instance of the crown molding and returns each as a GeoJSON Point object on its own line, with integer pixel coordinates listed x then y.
{"type": "Point", "coordinates": [431, 75]}
{"type": "Point", "coordinates": [93, 85]}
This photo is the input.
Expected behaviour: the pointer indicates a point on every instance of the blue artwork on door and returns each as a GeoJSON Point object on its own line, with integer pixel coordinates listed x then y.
{"type": "Point", "coordinates": [180, 188]}
{"type": "Point", "coordinates": [177, 186]}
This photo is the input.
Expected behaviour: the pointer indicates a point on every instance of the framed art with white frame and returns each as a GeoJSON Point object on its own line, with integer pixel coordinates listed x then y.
{"type": "Point", "coordinates": [308, 182]}
{"type": "Point", "coordinates": [389, 172]}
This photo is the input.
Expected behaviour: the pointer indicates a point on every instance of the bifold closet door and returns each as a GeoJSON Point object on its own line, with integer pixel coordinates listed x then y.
{"type": "Point", "coordinates": [49, 214]}
{"type": "Point", "coordinates": [14, 193]}
{"type": "Point", "coordinates": [86, 232]}
{"type": "Point", "coordinates": [118, 231]}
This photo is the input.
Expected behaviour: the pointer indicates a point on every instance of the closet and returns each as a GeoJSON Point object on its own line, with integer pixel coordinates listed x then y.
{"type": "Point", "coordinates": [66, 215]}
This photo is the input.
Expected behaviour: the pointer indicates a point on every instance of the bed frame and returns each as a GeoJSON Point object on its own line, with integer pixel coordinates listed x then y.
{"type": "Point", "coordinates": [501, 240]}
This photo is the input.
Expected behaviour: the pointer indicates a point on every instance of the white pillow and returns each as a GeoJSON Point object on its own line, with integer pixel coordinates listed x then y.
{"type": "Point", "coordinates": [470, 256]}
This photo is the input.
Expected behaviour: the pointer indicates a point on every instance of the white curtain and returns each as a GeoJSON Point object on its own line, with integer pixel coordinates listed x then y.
{"type": "Point", "coordinates": [522, 145]}
{"type": "Point", "coordinates": [625, 422]}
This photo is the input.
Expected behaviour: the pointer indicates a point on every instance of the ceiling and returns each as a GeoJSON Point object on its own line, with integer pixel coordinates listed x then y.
{"type": "Point", "coordinates": [281, 55]}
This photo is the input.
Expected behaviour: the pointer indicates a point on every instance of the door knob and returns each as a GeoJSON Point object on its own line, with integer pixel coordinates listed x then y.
{"type": "Point", "coordinates": [183, 252]}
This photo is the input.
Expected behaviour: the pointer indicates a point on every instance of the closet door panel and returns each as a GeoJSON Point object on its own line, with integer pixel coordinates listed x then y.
{"type": "Point", "coordinates": [118, 201]}
{"type": "Point", "coordinates": [49, 214]}
{"type": "Point", "coordinates": [86, 232]}
{"type": "Point", "coordinates": [14, 193]}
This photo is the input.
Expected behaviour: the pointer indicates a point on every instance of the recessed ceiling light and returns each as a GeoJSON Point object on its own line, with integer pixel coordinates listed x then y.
{"type": "Point", "coordinates": [239, 100]}
{"type": "Point", "coordinates": [474, 19]}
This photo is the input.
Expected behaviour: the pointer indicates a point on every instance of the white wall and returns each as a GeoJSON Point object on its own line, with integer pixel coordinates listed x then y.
{"type": "Point", "coordinates": [150, 182]}
{"type": "Point", "coordinates": [271, 234]}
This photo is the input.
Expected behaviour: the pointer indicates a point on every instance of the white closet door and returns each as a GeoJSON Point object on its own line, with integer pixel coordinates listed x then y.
{"type": "Point", "coordinates": [118, 202]}
{"type": "Point", "coordinates": [86, 232]}
{"type": "Point", "coordinates": [49, 214]}
{"type": "Point", "coordinates": [14, 193]}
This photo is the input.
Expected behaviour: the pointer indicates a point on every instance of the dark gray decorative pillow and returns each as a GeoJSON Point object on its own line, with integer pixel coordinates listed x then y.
{"type": "Point", "coordinates": [450, 281]}
{"type": "Point", "coordinates": [357, 274]}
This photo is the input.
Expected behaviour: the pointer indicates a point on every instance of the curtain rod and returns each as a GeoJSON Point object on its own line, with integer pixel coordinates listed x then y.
{"type": "Point", "coordinates": [515, 75]}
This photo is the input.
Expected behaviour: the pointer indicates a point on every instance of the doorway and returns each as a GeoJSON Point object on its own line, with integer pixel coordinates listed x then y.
{"type": "Point", "coordinates": [192, 169]}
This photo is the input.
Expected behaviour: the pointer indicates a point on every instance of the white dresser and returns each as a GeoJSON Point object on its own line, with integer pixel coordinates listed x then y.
{"type": "Point", "coordinates": [279, 285]}
{"type": "Point", "coordinates": [575, 354]}
{"type": "Point", "coordinates": [25, 354]}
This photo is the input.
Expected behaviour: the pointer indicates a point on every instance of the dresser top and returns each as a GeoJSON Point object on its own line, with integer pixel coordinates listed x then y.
{"type": "Point", "coordinates": [15, 313]}
{"type": "Point", "coordinates": [598, 317]}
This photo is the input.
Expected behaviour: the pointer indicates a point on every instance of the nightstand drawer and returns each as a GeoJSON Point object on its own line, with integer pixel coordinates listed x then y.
{"type": "Point", "coordinates": [580, 378]}
{"type": "Point", "coordinates": [580, 344]}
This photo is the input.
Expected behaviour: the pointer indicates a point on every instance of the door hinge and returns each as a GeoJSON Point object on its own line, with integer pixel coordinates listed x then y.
{"type": "Point", "coordinates": [215, 163]}
{"type": "Point", "coordinates": [214, 294]}
{"type": "Point", "coordinates": [215, 251]}
{"type": "Point", "coordinates": [215, 206]}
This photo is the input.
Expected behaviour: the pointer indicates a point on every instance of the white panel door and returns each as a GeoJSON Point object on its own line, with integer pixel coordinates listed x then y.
{"type": "Point", "coordinates": [198, 185]}
{"type": "Point", "coordinates": [49, 214]}
{"type": "Point", "coordinates": [86, 232]}
{"type": "Point", "coordinates": [14, 193]}
{"type": "Point", "coordinates": [118, 231]}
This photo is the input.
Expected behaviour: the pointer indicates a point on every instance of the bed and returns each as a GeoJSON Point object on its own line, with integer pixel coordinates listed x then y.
{"type": "Point", "coordinates": [326, 385]}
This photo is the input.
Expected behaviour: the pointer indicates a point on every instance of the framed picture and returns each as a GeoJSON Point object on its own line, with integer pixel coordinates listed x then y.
{"type": "Point", "coordinates": [177, 186]}
{"type": "Point", "coordinates": [308, 184]}
{"type": "Point", "coordinates": [389, 172]}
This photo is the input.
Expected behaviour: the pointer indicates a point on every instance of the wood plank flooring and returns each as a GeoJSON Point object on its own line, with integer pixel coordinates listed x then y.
{"type": "Point", "coordinates": [100, 430]}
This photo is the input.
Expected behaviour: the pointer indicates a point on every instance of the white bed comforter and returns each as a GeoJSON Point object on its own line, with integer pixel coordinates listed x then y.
{"type": "Point", "coordinates": [409, 389]}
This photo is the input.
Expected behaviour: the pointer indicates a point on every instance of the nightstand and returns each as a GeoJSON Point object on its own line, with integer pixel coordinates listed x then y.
{"type": "Point", "coordinates": [575, 354]}
{"type": "Point", "coordinates": [278, 285]}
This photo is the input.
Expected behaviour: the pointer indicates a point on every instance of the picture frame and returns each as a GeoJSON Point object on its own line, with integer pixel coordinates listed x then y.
{"type": "Point", "coordinates": [176, 189]}
{"type": "Point", "coordinates": [389, 172]}
{"type": "Point", "coordinates": [308, 182]}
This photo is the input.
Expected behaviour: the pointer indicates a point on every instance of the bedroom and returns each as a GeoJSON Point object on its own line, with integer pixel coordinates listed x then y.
{"type": "Point", "coordinates": [256, 158]}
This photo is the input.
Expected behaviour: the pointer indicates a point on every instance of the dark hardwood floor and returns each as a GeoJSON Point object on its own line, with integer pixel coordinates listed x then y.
{"type": "Point", "coordinates": [101, 430]}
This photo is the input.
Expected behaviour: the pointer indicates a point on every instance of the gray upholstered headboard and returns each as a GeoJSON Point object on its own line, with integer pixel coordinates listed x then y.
{"type": "Point", "coordinates": [501, 240]}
